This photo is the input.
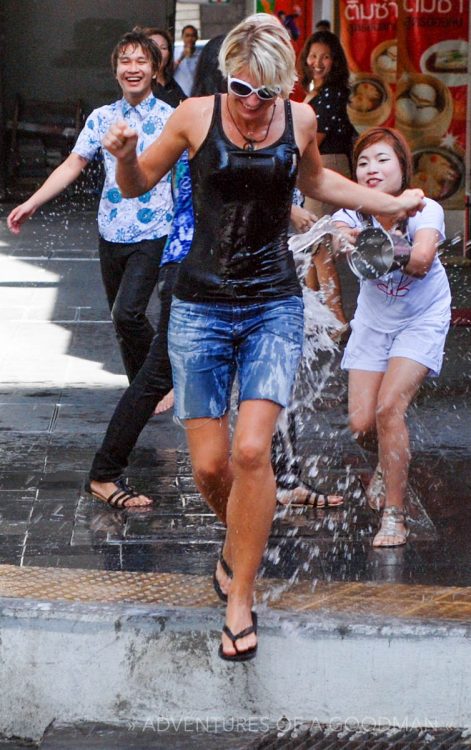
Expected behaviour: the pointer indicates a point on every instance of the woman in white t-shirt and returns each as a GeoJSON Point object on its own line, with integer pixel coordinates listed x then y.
{"type": "Point", "coordinates": [398, 330]}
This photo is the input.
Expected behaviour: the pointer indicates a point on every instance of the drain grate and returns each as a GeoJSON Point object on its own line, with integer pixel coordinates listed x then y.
{"type": "Point", "coordinates": [308, 738]}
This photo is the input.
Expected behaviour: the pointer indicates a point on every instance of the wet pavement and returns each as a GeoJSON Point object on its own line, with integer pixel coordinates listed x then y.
{"type": "Point", "coordinates": [60, 378]}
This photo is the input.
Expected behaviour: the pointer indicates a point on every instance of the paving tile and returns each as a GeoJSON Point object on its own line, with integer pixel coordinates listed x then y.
{"type": "Point", "coordinates": [60, 378]}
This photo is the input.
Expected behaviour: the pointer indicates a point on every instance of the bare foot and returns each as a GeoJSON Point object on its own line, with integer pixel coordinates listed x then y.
{"type": "Point", "coordinates": [165, 403]}
{"type": "Point", "coordinates": [126, 496]}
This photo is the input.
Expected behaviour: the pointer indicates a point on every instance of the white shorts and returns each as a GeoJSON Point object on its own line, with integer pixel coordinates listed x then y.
{"type": "Point", "coordinates": [423, 341]}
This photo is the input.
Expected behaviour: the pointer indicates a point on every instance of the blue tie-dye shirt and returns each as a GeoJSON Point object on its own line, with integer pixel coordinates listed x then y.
{"type": "Point", "coordinates": [129, 219]}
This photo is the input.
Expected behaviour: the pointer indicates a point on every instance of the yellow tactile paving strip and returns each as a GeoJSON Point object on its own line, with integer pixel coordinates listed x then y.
{"type": "Point", "coordinates": [178, 590]}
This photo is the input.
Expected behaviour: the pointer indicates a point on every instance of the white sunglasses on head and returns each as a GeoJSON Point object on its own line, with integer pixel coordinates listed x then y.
{"type": "Point", "coordinates": [241, 88]}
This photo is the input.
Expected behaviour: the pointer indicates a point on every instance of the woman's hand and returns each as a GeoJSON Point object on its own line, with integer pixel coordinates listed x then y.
{"type": "Point", "coordinates": [345, 242]}
{"type": "Point", "coordinates": [121, 141]}
{"type": "Point", "coordinates": [411, 200]}
{"type": "Point", "coordinates": [301, 219]}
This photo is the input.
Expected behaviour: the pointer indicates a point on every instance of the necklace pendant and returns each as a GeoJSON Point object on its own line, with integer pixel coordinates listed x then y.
{"type": "Point", "coordinates": [248, 146]}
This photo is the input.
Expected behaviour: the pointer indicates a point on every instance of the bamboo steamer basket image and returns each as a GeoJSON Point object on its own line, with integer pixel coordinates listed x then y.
{"type": "Point", "coordinates": [384, 60]}
{"type": "Point", "coordinates": [424, 107]}
{"type": "Point", "coordinates": [439, 172]}
{"type": "Point", "coordinates": [370, 101]}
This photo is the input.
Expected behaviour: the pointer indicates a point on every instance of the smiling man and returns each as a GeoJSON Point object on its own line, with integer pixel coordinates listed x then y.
{"type": "Point", "coordinates": [132, 233]}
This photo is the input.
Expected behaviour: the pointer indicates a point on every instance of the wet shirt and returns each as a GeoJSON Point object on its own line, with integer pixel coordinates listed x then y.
{"type": "Point", "coordinates": [242, 203]}
{"type": "Point", "coordinates": [389, 303]}
{"type": "Point", "coordinates": [129, 219]}
{"type": "Point", "coordinates": [330, 107]}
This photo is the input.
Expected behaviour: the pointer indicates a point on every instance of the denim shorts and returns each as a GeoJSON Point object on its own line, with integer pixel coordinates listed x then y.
{"type": "Point", "coordinates": [210, 342]}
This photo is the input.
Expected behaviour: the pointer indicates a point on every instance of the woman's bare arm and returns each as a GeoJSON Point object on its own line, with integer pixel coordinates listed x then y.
{"type": "Point", "coordinates": [423, 252]}
{"type": "Point", "coordinates": [331, 187]}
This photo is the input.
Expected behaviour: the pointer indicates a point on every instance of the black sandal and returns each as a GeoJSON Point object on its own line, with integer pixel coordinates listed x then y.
{"type": "Point", "coordinates": [228, 571]}
{"type": "Point", "coordinates": [240, 655]}
{"type": "Point", "coordinates": [120, 497]}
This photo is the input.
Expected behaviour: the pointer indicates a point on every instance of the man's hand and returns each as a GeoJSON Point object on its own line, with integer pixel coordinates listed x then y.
{"type": "Point", "coordinates": [121, 141]}
{"type": "Point", "coordinates": [19, 215]}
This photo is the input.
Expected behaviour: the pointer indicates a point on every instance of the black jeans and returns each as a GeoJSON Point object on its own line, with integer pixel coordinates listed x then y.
{"type": "Point", "coordinates": [138, 402]}
{"type": "Point", "coordinates": [130, 273]}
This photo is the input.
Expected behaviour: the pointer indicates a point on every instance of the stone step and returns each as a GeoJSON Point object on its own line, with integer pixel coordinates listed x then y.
{"type": "Point", "coordinates": [139, 666]}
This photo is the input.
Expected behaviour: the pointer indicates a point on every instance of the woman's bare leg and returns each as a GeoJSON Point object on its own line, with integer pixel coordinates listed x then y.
{"type": "Point", "coordinates": [399, 386]}
{"type": "Point", "coordinates": [250, 511]}
{"type": "Point", "coordinates": [328, 281]}
{"type": "Point", "coordinates": [363, 389]}
{"type": "Point", "coordinates": [209, 445]}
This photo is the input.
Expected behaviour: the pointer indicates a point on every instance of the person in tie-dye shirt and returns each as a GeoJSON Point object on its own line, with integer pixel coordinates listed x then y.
{"type": "Point", "coordinates": [132, 232]}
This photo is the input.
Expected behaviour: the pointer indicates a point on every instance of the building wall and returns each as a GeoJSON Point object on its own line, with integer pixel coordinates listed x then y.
{"type": "Point", "coordinates": [213, 18]}
{"type": "Point", "coordinates": [58, 49]}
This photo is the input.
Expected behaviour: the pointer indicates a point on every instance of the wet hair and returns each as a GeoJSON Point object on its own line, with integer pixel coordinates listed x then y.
{"type": "Point", "coordinates": [208, 78]}
{"type": "Point", "coordinates": [151, 31]}
{"type": "Point", "coordinates": [339, 73]}
{"type": "Point", "coordinates": [398, 143]}
{"type": "Point", "coordinates": [261, 44]}
{"type": "Point", "coordinates": [137, 39]}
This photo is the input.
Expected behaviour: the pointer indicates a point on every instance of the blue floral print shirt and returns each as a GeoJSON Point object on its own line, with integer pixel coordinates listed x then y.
{"type": "Point", "coordinates": [121, 219]}
{"type": "Point", "coordinates": [179, 239]}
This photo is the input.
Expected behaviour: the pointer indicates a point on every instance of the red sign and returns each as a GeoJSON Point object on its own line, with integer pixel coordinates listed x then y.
{"type": "Point", "coordinates": [432, 94]}
{"type": "Point", "coordinates": [409, 69]}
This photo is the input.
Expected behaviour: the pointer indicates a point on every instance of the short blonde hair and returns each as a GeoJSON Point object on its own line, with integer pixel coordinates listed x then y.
{"type": "Point", "coordinates": [262, 45]}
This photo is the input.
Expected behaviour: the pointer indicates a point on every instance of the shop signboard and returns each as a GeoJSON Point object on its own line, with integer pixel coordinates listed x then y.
{"type": "Point", "coordinates": [409, 63]}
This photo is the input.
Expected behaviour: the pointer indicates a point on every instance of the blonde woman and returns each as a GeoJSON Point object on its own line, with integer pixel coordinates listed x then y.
{"type": "Point", "coordinates": [237, 306]}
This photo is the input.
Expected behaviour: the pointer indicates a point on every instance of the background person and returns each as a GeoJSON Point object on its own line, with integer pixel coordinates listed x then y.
{"type": "Point", "coordinates": [208, 77]}
{"type": "Point", "coordinates": [233, 310]}
{"type": "Point", "coordinates": [324, 76]}
{"type": "Point", "coordinates": [323, 25]}
{"type": "Point", "coordinates": [165, 87]}
{"type": "Point", "coordinates": [399, 327]}
{"type": "Point", "coordinates": [132, 233]}
{"type": "Point", "coordinates": [185, 66]}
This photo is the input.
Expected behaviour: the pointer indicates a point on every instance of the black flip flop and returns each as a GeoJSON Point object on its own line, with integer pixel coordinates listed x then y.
{"type": "Point", "coordinates": [250, 653]}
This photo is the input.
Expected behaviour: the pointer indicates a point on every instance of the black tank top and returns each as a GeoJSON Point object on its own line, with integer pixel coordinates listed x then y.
{"type": "Point", "coordinates": [241, 201]}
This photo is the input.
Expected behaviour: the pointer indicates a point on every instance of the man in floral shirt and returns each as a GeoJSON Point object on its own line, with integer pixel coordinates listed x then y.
{"type": "Point", "coordinates": [132, 232]}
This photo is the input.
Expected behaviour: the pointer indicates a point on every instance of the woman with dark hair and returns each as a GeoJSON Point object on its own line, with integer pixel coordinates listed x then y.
{"type": "Point", "coordinates": [399, 327]}
{"type": "Point", "coordinates": [165, 86]}
{"type": "Point", "coordinates": [324, 76]}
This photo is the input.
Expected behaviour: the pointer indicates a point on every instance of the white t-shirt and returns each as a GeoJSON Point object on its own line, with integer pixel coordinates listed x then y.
{"type": "Point", "coordinates": [185, 72]}
{"type": "Point", "coordinates": [389, 303]}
